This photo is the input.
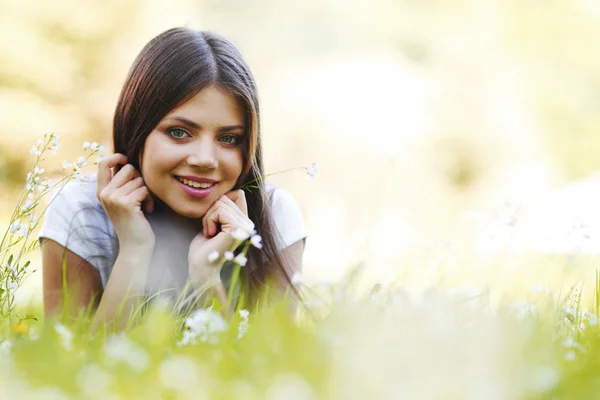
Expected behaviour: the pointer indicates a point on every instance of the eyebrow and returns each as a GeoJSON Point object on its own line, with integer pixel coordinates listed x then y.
{"type": "Point", "coordinates": [194, 125]}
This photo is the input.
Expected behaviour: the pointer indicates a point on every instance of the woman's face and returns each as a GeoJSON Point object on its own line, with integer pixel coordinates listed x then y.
{"type": "Point", "coordinates": [201, 140]}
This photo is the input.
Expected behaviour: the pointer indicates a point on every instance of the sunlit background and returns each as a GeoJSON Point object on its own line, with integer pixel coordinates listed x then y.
{"type": "Point", "coordinates": [448, 135]}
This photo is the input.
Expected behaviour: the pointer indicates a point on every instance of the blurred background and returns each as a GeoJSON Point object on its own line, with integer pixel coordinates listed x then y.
{"type": "Point", "coordinates": [447, 134]}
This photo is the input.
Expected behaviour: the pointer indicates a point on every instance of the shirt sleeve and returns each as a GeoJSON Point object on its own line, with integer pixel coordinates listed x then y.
{"type": "Point", "coordinates": [76, 220]}
{"type": "Point", "coordinates": [288, 217]}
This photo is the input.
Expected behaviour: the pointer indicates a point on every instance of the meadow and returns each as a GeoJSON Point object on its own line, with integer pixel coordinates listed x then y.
{"type": "Point", "coordinates": [347, 340]}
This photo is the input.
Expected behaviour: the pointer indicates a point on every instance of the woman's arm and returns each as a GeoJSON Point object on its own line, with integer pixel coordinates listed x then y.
{"type": "Point", "coordinates": [124, 290]}
{"type": "Point", "coordinates": [84, 286]}
{"type": "Point", "coordinates": [81, 278]}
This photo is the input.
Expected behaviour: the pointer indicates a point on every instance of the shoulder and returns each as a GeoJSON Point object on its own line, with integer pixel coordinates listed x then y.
{"type": "Point", "coordinates": [287, 215]}
{"type": "Point", "coordinates": [78, 192]}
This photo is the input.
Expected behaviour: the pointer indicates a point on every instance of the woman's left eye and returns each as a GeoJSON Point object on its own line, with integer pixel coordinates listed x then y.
{"type": "Point", "coordinates": [230, 139]}
{"type": "Point", "coordinates": [177, 133]}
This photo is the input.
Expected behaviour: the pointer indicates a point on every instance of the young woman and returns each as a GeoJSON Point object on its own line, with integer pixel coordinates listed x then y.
{"type": "Point", "coordinates": [186, 138]}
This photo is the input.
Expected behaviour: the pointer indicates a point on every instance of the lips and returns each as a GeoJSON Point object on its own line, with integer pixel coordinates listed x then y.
{"type": "Point", "coordinates": [197, 192]}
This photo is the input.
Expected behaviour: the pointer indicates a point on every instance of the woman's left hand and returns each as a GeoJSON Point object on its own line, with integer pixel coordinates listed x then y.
{"type": "Point", "coordinates": [230, 211]}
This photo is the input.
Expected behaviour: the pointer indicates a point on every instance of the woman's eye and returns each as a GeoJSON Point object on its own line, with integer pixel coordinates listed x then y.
{"type": "Point", "coordinates": [230, 139]}
{"type": "Point", "coordinates": [177, 133]}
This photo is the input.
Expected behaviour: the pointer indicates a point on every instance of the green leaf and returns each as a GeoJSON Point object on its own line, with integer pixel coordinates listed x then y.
{"type": "Point", "coordinates": [10, 259]}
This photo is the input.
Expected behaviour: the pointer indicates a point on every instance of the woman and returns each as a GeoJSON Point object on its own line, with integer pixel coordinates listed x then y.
{"type": "Point", "coordinates": [186, 138]}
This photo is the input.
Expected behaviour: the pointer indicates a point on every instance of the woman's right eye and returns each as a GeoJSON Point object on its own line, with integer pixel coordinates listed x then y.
{"type": "Point", "coordinates": [177, 133]}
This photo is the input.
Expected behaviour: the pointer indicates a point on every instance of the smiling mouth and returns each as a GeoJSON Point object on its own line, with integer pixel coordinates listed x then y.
{"type": "Point", "coordinates": [196, 185]}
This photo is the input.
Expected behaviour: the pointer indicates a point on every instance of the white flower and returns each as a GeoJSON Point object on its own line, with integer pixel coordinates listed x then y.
{"type": "Point", "coordinates": [5, 347]}
{"type": "Point", "coordinates": [14, 227]}
{"type": "Point", "coordinates": [38, 171]}
{"type": "Point", "coordinates": [53, 150]}
{"type": "Point", "coordinates": [86, 145]}
{"type": "Point", "coordinates": [241, 260]}
{"type": "Point", "coordinates": [94, 381]}
{"type": "Point", "coordinates": [240, 234]}
{"type": "Point", "coordinates": [65, 335]}
{"type": "Point", "coordinates": [570, 356]}
{"type": "Point", "coordinates": [66, 165]}
{"type": "Point", "coordinates": [243, 326]}
{"type": "Point", "coordinates": [228, 255]}
{"type": "Point", "coordinates": [95, 146]}
{"type": "Point", "coordinates": [40, 142]}
{"type": "Point", "coordinates": [32, 219]}
{"type": "Point", "coordinates": [213, 256]}
{"type": "Point", "coordinates": [27, 206]}
{"type": "Point", "coordinates": [34, 150]}
{"type": "Point", "coordinates": [181, 373]}
{"type": "Point", "coordinates": [81, 161]}
{"type": "Point", "coordinates": [311, 170]}
{"type": "Point", "coordinates": [119, 348]}
{"type": "Point", "coordinates": [12, 286]}
{"type": "Point", "coordinates": [256, 241]}
{"type": "Point", "coordinates": [205, 325]}
{"type": "Point", "coordinates": [23, 229]}
{"type": "Point", "coordinates": [296, 278]}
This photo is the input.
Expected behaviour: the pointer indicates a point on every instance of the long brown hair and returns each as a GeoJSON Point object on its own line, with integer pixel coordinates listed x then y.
{"type": "Point", "coordinates": [172, 68]}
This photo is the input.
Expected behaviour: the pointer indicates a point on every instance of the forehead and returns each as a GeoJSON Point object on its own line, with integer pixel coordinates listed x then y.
{"type": "Point", "coordinates": [212, 106]}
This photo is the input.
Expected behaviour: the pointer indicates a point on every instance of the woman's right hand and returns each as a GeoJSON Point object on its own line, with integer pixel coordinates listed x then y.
{"type": "Point", "coordinates": [123, 196]}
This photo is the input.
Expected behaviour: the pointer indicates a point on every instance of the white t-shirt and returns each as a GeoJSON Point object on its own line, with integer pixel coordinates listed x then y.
{"type": "Point", "coordinates": [76, 220]}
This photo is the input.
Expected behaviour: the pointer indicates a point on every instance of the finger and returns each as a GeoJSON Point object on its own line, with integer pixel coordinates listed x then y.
{"type": "Point", "coordinates": [126, 174]}
{"type": "Point", "coordinates": [219, 215]}
{"type": "Point", "coordinates": [137, 197]}
{"type": "Point", "coordinates": [208, 212]}
{"type": "Point", "coordinates": [227, 202]}
{"type": "Point", "coordinates": [104, 170]}
{"type": "Point", "coordinates": [210, 221]}
{"type": "Point", "coordinates": [239, 198]}
{"type": "Point", "coordinates": [129, 187]}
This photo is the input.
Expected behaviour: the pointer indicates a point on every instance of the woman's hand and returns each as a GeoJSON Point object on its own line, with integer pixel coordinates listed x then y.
{"type": "Point", "coordinates": [230, 212]}
{"type": "Point", "coordinates": [122, 197]}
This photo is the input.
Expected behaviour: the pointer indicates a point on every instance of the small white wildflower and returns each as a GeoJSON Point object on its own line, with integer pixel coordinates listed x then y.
{"type": "Point", "coordinates": [23, 229]}
{"type": "Point", "coordinates": [205, 325]}
{"type": "Point", "coordinates": [256, 241]}
{"type": "Point", "coordinates": [40, 142]}
{"type": "Point", "coordinates": [65, 335]}
{"type": "Point", "coordinates": [243, 326]}
{"type": "Point", "coordinates": [66, 165]}
{"type": "Point", "coordinates": [228, 255]}
{"type": "Point", "coordinates": [592, 319]}
{"type": "Point", "coordinates": [12, 286]}
{"type": "Point", "coordinates": [81, 161]}
{"type": "Point", "coordinates": [34, 150]}
{"type": "Point", "coordinates": [38, 171]}
{"type": "Point", "coordinates": [240, 234]}
{"type": "Point", "coordinates": [94, 381]}
{"type": "Point", "coordinates": [570, 355]}
{"type": "Point", "coordinates": [119, 348]}
{"type": "Point", "coordinates": [213, 256]}
{"type": "Point", "coordinates": [5, 347]}
{"type": "Point", "coordinates": [569, 342]}
{"type": "Point", "coordinates": [14, 227]}
{"type": "Point", "coordinates": [241, 260]}
{"type": "Point", "coordinates": [27, 206]}
{"type": "Point", "coordinates": [86, 145]}
{"type": "Point", "coordinates": [311, 170]}
{"type": "Point", "coordinates": [53, 150]}
{"type": "Point", "coordinates": [296, 278]}
{"type": "Point", "coordinates": [94, 146]}
{"type": "Point", "coordinates": [181, 374]}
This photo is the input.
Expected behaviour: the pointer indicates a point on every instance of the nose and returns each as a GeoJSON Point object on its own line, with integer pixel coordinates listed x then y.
{"type": "Point", "coordinates": [203, 154]}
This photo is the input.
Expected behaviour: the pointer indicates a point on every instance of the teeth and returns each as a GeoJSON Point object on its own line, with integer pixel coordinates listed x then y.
{"type": "Point", "coordinates": [195, 184]}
